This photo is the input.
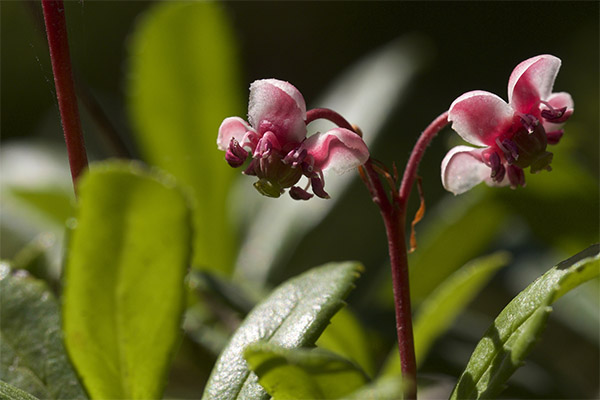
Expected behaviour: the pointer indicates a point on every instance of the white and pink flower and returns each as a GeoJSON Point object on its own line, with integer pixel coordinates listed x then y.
{"type": "Point", "coordinates": [275, 140]}
{"type": "Point", "coordinates": [512, 136]}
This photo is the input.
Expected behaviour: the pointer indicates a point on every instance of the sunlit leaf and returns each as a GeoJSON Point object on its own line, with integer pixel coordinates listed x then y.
{"type": "Point", "coordinates": [33, 356]}
{"type": "Point", "coordinates": [9, 392]}
{"type": "Point", "coordinates": [516, 329]}
{"type": "Point", "coordinates": [183, 83]}
{"type": "Point", "coordinates": [303, 373]}
{"type": "Point", "coordinates": [294, 315]}
{"type": "Point", "coordinates": [346, 336]}
{"type": "Point", "coordinates": [387, 387]}
{"type": "Point", "coordinates": [124, 291]}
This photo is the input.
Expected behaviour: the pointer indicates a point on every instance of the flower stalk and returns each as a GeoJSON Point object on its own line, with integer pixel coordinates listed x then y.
{"type": "Point", "coordinates": [56, 30]}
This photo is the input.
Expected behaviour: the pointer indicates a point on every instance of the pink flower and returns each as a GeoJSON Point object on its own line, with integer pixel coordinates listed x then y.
{"type": "Point", "coordinates": [275, 140]}
{"type": "Point", "coordinates": [512, 136]}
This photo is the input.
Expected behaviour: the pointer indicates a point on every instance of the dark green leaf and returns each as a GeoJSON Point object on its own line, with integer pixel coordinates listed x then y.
{"type": "Point", "coordinates": [512, 335]}
{"type": "Point", "coordinates": [303, 373]}
{"type": "Point", "coordinates": [33, 356]}
{"type": "Point", "coordinates": [8, 392]}
{"type": "Point", "coordinates": [124, 293]}
{"type": "Point", "coordinates": [184, 82]}
{"type": "Point", "coordinates": [294, 315]}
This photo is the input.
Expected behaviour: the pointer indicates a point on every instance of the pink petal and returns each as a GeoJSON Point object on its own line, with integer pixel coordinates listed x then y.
{"type": "Point", "coordinates": [463, 168]}
{"type": "Point", "coordinates": [338, 149]}
{"type": "Point", "coordinates": [232, 127]}
{"type": "Point", "coordinates": [479, 117]}
{"type": "Point", "coordinates": [560, 100]}
{"type": "Point", "coordinates": [279, 107]}
{"type": "Point", "coordinates": [532, 81]}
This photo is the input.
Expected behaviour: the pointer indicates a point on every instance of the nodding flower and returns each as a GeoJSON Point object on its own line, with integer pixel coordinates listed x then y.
{"type": "Point", "coordinates": [512, 136]}
{"type": "Point", "coordinates": [274, 139]}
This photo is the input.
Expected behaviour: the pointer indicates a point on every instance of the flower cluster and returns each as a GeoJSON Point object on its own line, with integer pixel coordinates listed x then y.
{"type": "Point", "coordinates": [513, 135]}
{"type": "Point", "coordinates": [275, 141]}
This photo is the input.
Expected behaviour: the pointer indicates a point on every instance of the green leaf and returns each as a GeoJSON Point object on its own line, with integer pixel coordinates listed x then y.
{"type": "Point", "coordinates": [294, 315]}
{"type": "Point", "coordinates": [388, 387]}
{"type": "Point", "coordinates": [514, 332]}
{"type": "Point", "coordinates": [183, 83]}
{"type": "Point", "coordinates": [54, 203]}
{"type": "Point", "coordinates": [9, 392]}
{"type": "Point", "coordinates": [124, 292]}
{"type": "Point", "coordinates": [444, 304]}
{"type": "Point", "coordinates": [303, 373]}
{"type": "Point", "coordinates": [33, 356]}
{"type": "Point", "coordinates": [345, 336]}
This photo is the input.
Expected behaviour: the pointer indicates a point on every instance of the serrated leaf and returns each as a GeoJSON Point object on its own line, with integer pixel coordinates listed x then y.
{"type": "Point", "coordinates": [512, 335]}
{"type": "Point", "coordinates": [303, 373]}
{"type": "Point", "coordinates": [184, 82]}
{"type": "Point", "coordinates": [444, 304]}
{"type": "Point", "coordinates": [294, 315]}
{"type": "Point", "coordinates": [124, 293]}
{"type": "Point", "coordinates": [9, 392]}
{"type": "Point", "coordinates": [33, 356]}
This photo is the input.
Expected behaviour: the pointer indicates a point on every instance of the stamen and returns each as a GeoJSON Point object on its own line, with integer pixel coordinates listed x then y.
{"type": "Point", "coordinates": [510, 149]}
{"type": "Point", "coordinates": [318, 187]}
{"type": "Point", "coordinates": [528, 121]}
{"type": "Point", "coordinates": [298, 193]}
{"type": "Point", "coordinates": [235, 155]}
{"type": "Point", "coordinates": [516, 176]}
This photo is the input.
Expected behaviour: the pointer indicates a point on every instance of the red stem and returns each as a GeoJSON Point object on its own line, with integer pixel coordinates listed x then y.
{"type": "Point", "coordinates": [394, 218]}
{"type": "Point", "coordinates": [56, 30]}
{"type": "Point", "coordinates": [410, 171]}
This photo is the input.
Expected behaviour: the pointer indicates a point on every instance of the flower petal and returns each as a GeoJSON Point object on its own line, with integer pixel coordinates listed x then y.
{"type": "Point", "coordinates": [279, 107]}
{"type": "Point", "coordinates": [479, 117]}
{"type": "Point", "coordinates": [338, 149]}
{"type": "Point", "coordinates": [532, 81]}
{"type": "Point", "coordinates": [232, 127]}
{"type": "Point", "coordinates": [463, 168]}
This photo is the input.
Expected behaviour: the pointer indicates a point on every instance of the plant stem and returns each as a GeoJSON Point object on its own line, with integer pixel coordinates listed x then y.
{"type": "Point", "coordinates": [415, 158]}
{"type": "Point", "coordinates": [394, 217]}
{"type": "Point", "coordinates": [56, 30]}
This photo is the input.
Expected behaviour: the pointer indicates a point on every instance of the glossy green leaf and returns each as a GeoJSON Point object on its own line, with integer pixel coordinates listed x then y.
{"type": "Point", "coordinates": [294, 315]}
{"type": "Point", "coordinates": [124, 293]}
{"type": "Point", "coordinates": [9, 392]}
{"type": "Point", "coordinates": [445, 303]}
{"type": "Point", "coordinates": [184, 82]}
{"type": "Point", "coordinates": [514, 332]}
{"type": "Point", "coordinates": [303, 373]}
{"type": "Point", "coordinates": [345, 336]}
{"type": "Point", "coordinates": [31, 344]}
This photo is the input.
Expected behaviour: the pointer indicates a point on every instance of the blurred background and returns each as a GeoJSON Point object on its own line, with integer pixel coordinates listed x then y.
{"type": "Point", "coordinates": [441, 49]}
